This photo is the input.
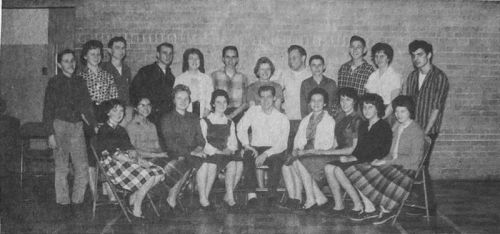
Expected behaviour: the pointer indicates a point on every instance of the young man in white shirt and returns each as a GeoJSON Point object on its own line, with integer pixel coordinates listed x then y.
{"type": "Point", "coordinates": [268, 144]}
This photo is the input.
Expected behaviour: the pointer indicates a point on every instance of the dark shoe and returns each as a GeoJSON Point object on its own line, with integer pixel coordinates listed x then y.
{"type": "Point", "coordinates": [208, 208]}
{"type": "Point", "coordinates": [362, 216]}
{"type": "Point", "coordinates": [415, 211]}
{"type": "Point", "coordinates": [78, 211]}
{"type": "Point", "coordinates": [63, 212]}
{"type": "Point", "coordinates": [383, 218]}
{"type": "Point", "coordinates": [136, 219]}
{"type": "Point", "coordinates": [252, 204]}
{"type": "Point", "coordinates": [311, 208]}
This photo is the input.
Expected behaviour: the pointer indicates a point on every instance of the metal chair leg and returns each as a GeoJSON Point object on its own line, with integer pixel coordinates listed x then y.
{"type": "Point", "coordinates": [426, 199]}
{"type": "Point", "coordinates": [153, 205]}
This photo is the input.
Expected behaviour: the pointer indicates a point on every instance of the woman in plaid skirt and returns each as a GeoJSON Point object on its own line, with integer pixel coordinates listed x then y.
{"type": "Point", "coordinates": [385, 182]}
{"type": "Point", "coordinates": [120, 160]}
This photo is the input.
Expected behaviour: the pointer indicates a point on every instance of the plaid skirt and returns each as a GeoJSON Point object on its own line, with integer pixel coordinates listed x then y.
{"type": "Point", "coordinates": [128, 175]}
{"type": "Point", "coordinates": [384, 185]}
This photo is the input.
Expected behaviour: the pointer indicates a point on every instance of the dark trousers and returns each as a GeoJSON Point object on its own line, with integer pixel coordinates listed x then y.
{"type": "Point", "coordinates": [274, 162]}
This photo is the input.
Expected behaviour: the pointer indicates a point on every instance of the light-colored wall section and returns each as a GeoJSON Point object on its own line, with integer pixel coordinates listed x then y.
{"type": "Point", "coordinates": [25, 26]}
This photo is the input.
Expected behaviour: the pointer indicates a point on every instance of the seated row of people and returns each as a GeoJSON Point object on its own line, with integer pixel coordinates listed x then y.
{"type": "Point", "coordinates": [350, 153]}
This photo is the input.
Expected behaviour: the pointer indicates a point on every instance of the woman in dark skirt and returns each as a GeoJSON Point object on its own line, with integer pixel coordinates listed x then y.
{"type": "Point", "coordinates": [386, 182]}
{"type": "Point", "coordinates": [315, 135]}
{"type": "Point", "coordinates": [220, 135]}
{"type": "Point", "coordinates": [374, 142]}
{"type": "Point", "coordinates": [120, 161]}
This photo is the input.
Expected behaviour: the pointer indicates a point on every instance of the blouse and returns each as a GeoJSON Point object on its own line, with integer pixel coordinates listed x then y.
{"type": "Point", "coordinates": [346, 129]}
{"type": "Point", "coordinates": [101, 85]}
{"type": "Point", "coordinates": [323, 139]}
{"type": "Point", "coordinates": [201, 87]}
{"type": "Point", "coordinates": [384, 84]}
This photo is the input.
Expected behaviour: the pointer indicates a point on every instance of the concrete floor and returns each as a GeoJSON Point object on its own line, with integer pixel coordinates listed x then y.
{"type": "Point", "coordinates": [463, 207]}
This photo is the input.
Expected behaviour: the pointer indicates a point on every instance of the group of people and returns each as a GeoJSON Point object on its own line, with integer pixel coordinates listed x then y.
{"type": "Point", "coordinates": [364, 136]}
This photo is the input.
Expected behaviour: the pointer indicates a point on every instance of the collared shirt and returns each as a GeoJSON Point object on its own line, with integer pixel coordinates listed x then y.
{"type": "Point", "coordinates": [201, 87]}
{"type": "Point", "coordinates": [236, 86]}
{"type": "Point", "coordinates": [122, 79]}
{"type": "Point", "coordinates": [101, 85]}
{"type": "Point", "coordinates": [232, 143]}
{"type": "Point", "coordinates": [431, 96]}
{"type": "Point", "coordinates": [66, 98]}
{"type": "Point", "coordinates": [309, 84]}
{"type": "Point", "coordinates": [267, 129]}
{"type": "Point", "coordinates": [182, 133]}
{"type": "Point", "coordinates": [291, 83]}
{"type": "Point", "coordinates": [355, 78]}
{"type": "Point", "coordinates": [325, 133]}
{"type": "Point", "coordinates": [151, 82]}
{"type": "Point", "coordinates": [384, 84]}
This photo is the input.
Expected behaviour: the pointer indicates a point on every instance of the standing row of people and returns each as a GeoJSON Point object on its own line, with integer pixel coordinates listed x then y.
{"type": "Point", "coordinates": [299, 107]}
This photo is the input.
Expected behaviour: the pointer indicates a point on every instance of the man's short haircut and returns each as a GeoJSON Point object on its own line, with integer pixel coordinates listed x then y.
{"type": "Point", "coordinates": [62, 53]}
{"type": "Point", "coordinates": [301, 50]}
{"type": "Point", "coordinates": [319, 91]}
{"type": "Point", "coordinates": [350, 93]}
{"type": "Point", "coordinates": [376, 100]}
{"type": "Point", "coordinates": [185, 58]}
{"type": "Point", "coordinates": [166, 44]}
{"type": "Point", "coordinates": [357, 38]}
{"type": "Point", "coordinates": [404, 101]}
{"type": "Point", "coordinates": [218, 93]}
{"type": "Point", "coordinates": [386, 48]}
{"type": "Point", "coordinates": [265, 88]}
{"type": "Point", "coordinates": [90, 45]}
{"type": "Point", "coordinates": [226, 48]}
{"type": "Point", "coordinates": [316, 56]}
{"type": "Point", "coordinates": [117, 39]}
{"type": "Point", "coordinates": [181, 88]}
{"type": "Point", "coordinates": [260, 61]}
{"type": "Point", "coordinates": [419, 44]}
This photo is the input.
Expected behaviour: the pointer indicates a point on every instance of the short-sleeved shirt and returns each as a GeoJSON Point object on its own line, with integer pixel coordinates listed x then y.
{"type": "Point", "coordinates": [385, 84]}
{"type": "Point", "coordinates": [355, 78]}
{"type": "Point", "coordinates": [291, 83]}
{"type": "Point", "coordinates": [253, 91]}
{"type": "Point", "coordinates": [346, 129]}
{"type": "Point", "coordinates": [143, 135]}
{"type": "Point", "coordinates": [101, 85]}
{"type": "Point", "coordinates": [235, 86]}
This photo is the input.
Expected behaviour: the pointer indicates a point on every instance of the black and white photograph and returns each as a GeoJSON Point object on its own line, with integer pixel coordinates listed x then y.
{"type": "Point", "coordinates": [249, 116]}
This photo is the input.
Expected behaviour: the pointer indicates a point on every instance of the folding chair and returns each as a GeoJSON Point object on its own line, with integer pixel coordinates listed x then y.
{"type": "Point", "coordinates": [33, 131]}
{"type": "Point", "coordinates": [114, 189]}
{"type": "Point", "coordinates": [420, 178]}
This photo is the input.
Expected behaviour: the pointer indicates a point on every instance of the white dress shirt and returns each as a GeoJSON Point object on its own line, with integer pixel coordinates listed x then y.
{"type": "Point", "coordinates": [267, 129]}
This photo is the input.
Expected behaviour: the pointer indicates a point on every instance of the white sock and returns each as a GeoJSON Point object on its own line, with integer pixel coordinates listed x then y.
{"type": "Point", "coordinates": [251, 195]}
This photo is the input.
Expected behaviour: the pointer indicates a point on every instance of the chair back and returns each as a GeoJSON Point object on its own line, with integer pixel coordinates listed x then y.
{"type": "Point", "coordinates": [424, 158]}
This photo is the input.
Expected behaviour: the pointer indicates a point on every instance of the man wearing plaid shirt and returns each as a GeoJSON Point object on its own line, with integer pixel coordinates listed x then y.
{"type": "Point", "coordinates": [355, 73]}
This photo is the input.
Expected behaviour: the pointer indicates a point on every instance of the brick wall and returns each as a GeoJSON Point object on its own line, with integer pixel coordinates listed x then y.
{"type": "Point", "coordinates": [465, 35]}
